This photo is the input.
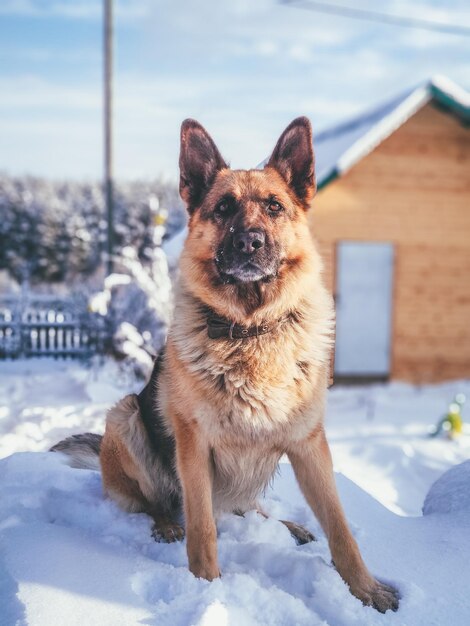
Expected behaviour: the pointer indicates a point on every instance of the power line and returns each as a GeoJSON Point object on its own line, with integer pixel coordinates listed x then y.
{"type": "Point", "coordinates": [376, 16]}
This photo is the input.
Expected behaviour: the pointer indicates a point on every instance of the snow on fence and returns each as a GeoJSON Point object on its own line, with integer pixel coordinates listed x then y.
{"type": "Point", "coordinates": [48, 326]}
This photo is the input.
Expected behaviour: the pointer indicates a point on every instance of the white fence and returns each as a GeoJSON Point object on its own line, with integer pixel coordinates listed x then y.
{"type": "Point", "coordinates": [48, 326]}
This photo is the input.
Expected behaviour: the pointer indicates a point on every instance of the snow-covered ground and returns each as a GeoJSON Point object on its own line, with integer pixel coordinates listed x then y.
{"type": "Point", "coordinates": [68, 556]}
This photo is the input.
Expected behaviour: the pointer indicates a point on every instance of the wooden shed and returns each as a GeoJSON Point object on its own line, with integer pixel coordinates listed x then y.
{"type": "Point", "coordinates": [392, 219]}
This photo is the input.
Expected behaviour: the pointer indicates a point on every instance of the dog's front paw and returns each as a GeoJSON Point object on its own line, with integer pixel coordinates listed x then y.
{"type": "Point", "coordinates": [378, 595]}
{"type": "Point", "coordinates": [205, 570]}
{"type": "Point", "coordinates": [167, 533]}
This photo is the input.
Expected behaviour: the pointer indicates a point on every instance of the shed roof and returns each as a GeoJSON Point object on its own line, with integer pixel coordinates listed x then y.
{"type": "Point", "coordinates": [338, 148]}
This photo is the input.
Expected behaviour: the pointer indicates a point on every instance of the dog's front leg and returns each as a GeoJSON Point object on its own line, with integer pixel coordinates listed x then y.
{"type": "Point", "coordinates": [311, 460]}
{"type": "Point", "coordinates": [195, 473]}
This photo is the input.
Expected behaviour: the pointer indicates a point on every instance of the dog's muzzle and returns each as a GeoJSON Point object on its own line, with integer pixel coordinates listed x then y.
{"type": "Point", "coordinates": [247, 256]}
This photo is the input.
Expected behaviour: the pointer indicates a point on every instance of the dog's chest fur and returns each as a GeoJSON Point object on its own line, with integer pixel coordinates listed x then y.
{"type": "Point", "coordinates": [251, 398]}
{"type": "Point", "coordinates": [251, 390]}
{"type": "Point", "coordinates": [255, 390]}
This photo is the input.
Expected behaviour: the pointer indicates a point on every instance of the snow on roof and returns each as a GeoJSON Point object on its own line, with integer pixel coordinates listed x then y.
{"type": "Point", "coordinates": [337, 149]}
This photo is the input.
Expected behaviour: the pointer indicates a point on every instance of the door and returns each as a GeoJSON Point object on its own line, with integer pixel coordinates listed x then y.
{"type": "Point", "coordinates": [363, 309]}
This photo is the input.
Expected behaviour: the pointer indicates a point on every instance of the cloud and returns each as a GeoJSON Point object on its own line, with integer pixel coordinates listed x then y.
{"type": "Point", "coordinates": [41, 55]}
{"type": "Point", "coordinates": [244, 68]}
{"type": "Point", "coordinates": [33, 93]}
{"type": "Point", "coordinates": [455, 12]}
{"type": "Point", "coordinates": [77, 9]}
{"type": "Point", "coordinates": [48, 127]}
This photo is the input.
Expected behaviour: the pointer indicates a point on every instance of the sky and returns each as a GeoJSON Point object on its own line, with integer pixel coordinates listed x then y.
{"type": "Point", "coordinates": [243, 68]}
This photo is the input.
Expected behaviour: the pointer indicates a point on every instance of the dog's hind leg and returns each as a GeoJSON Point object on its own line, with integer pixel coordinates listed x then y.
{"type": "Point", "coordinates": [133, 477]}
{"type": "Point", "coordinates": [165, 527]}
{"type": "Point", "coordinates": [121, 482]}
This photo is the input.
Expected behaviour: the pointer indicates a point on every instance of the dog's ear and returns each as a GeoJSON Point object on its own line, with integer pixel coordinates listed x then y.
{"type": "Point", "coordinates": [293, 158]}
{"type": "Point", "coordinates": [200, 161]}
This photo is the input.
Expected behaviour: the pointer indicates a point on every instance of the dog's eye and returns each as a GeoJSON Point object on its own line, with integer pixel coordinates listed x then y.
{"type": "Point", "coordinates": [222, 209]}
{"type": "Point", "coordinates": [274, 206]}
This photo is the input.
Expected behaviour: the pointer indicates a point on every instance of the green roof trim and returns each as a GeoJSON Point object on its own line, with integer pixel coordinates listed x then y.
{"type": "Point", "coordinates": [447, 103]}
{"type": "Point", "coordinates": [333, 175]}
{"type": "Point", "coordinates": [440, 92]}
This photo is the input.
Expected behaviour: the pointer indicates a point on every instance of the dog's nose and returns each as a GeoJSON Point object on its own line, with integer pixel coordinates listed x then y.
{"type": "Point", "coordinates": [248, 241]}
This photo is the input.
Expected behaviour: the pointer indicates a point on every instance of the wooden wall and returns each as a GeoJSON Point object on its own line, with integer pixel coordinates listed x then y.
{"type": "Point", "coordinates": [413, 190]}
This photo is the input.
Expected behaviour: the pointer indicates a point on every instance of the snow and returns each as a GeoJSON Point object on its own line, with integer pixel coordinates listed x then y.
{"type": "Point", "coordinates": [172, 247]}
{"type": "Point", "coordinates": [451, 492]}
{"type": "Point", "coordinates": [138, 306]}
{"type": "Point", "coordinates": [70, 556]}
{"type": "Point", "coordinates": [337, 149]}
{"type": "Point", "coordinates": [43, 401]}
{"type": "Point", "coordinates": [379, 436]}
{"type": "Point", "coordinates": [331, 144]}
{"type": "Point", "coordinates": [57, 228]}
{"type": "Point", "coordinates": [452, 90]}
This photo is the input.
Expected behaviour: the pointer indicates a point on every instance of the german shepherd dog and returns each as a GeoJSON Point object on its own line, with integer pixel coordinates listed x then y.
{"type": "Point", "coordinates": [243, 376]}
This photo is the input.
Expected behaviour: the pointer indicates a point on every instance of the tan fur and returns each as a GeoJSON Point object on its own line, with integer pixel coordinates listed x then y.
{"type": "Point", "coordinates": [195, 472]}
{"type": "Point", "coordinates": [313, 468]}
{"type": "Point", "coordinates": [125, 474]}
{"type": "Point", "coordinates": [130, 471]}
{"type": "Point", "coordinates": [234, 407]}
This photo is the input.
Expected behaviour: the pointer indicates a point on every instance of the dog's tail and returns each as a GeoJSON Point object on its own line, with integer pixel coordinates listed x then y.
{"type": "Point", "coordinates": [83, 450]}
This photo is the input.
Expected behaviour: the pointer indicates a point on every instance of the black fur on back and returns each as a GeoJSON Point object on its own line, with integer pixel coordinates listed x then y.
{"type": "Point", "coordinates": [162, 443]}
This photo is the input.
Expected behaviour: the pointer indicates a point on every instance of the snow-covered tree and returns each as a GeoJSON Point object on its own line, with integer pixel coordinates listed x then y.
{"type": "Point", "coordinates": [56, 231]}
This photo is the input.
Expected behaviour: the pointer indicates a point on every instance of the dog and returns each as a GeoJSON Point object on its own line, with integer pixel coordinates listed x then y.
{"type": "Point", "coordinates": [243, 376]}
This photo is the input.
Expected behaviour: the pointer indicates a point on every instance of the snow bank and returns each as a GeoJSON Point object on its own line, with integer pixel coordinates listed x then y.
{"type": "Point", "coordinates": [69, 556]}
{"type": "Point", "coordinates": [379, 434]}
{"type": "Point", "coordinates": [451, 492]}
{"type": "Point", "coordinates": [43, 400]}
{"type": "Point", "coordinates": [379, 437]}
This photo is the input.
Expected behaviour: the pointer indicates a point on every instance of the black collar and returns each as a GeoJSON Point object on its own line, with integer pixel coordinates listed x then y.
{"type": "Point", "coordinates": [218, 327]}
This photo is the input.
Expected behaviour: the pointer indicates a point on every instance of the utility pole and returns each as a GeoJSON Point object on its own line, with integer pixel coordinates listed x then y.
{"type": "Point", "coordinates": [108, 127]}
